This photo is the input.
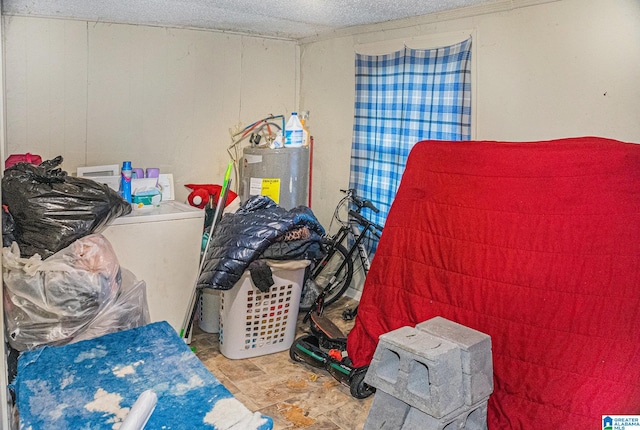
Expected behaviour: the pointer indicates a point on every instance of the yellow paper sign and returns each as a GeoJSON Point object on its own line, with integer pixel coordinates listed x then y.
{"type": "Point", "coordinates": [271, 188]}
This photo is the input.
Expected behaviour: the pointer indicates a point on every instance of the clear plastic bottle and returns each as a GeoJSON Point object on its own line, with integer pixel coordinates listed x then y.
{"type": "Point", "coordinates": [125, 181]}
{"type": "Point", "coordinates": [293, 134]}
{"type": "Point", "coordinates": [304, 116]}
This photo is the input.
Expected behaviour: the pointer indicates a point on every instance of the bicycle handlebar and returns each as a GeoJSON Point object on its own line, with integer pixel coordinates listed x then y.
{"type": "Point", "coordinates": [363, 221]}
{"type": "Point", "coordinates": [360, 203]}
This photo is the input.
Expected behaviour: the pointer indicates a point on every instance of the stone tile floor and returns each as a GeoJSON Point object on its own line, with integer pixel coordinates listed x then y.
{"type": "Point", "coordinates": [295, 395]}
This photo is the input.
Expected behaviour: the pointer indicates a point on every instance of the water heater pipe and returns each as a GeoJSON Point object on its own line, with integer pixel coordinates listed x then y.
{"type": "Point", "coordinates": [310, 166]}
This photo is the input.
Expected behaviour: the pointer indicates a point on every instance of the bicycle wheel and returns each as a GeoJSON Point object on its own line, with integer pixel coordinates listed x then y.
{"type": "Point", "coordinates": [321, 275]}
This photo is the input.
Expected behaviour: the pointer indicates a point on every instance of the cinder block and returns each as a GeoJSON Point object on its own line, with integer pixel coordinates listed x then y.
{"type": "Point", "coordinates": [465, 418]}
{"type": "Point", "coordinates": [475, 346]}
{"type": "Point", "coordinates": [386, 412]}
{"type": "Point", "coordinates": [419, 369]}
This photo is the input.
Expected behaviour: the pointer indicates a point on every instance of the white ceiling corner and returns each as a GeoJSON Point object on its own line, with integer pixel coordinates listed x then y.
{"type": "Point", "coordinates": [270, 18]}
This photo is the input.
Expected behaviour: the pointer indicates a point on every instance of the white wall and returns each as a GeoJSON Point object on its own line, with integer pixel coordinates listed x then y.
{"type": "Point", "coordinates": [567, 68]}
{"type": "Point", "coordinates": [99, 93]}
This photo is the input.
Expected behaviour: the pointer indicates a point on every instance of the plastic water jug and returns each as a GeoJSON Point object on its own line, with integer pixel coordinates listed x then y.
{"type": "Point", "coordinates": [293, 134]}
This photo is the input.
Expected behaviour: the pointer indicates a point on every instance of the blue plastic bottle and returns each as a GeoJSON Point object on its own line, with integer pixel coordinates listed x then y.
{"type": "Point", "coordinates": [125, 181]}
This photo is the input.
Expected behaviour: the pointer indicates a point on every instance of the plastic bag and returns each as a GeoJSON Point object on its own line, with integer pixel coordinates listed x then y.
{"type": "Point", "coordinates": [51, 209]}
{"type": "Point", "coordinates": [51, 302]}
{"type": "Point", "coordinates": [129, 310]}
{"type": "Point", "coordinates": [8, 228]}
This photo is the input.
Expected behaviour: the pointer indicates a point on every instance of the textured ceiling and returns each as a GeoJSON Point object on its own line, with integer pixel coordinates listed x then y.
{"type": "Point", "coordinates": [275, 18]}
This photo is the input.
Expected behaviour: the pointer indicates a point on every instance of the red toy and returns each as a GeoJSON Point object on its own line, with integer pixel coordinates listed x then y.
{"type": "Point", "coordinates": [201, 194]}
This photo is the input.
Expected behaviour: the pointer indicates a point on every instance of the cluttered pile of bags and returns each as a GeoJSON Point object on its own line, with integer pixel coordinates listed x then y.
{"type": "Point", "coordinates": [62, 279]}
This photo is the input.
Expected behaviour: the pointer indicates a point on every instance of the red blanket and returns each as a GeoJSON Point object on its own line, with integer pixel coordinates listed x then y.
{"type": "Point", "coordinates": [536, 244]}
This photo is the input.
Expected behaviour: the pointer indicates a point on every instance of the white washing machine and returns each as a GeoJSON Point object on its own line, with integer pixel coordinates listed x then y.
{"type": "Point", "coordinates": [162, 247]}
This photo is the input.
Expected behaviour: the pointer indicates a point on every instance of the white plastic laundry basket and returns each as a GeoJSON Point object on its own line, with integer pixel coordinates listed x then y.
{"type": "Point", "coordinates": [209, 311]}
{"type": "Point", "coordinates": [254, 323]}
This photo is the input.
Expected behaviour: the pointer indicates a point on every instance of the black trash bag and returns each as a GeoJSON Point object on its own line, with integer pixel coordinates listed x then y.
{"type": "Point", "coordinates": [51, 209]}
{"type": "Point", "coordinates": [8, 228]}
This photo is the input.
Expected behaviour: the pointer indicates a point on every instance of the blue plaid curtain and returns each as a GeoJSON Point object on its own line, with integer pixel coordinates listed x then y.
{"type": "Point", "coordinates": [402, 98]}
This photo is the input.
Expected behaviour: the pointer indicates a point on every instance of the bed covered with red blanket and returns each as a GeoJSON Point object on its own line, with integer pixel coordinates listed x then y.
{"type": "Point", "coordinates": [536, 244]}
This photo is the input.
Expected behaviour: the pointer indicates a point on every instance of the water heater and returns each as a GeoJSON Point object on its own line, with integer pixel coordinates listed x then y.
{"type": "Point", "coordinates": [282, 174]}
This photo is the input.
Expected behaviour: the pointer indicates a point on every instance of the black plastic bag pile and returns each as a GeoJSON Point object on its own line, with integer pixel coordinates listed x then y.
{"type": "Point", "coordinates": [51, 209]}
{"type": "Point", "coordinates": [62, 280]}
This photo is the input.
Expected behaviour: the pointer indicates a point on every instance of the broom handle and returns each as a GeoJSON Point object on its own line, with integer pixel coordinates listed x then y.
{"type": "Point", "coordinates": [193, 302]}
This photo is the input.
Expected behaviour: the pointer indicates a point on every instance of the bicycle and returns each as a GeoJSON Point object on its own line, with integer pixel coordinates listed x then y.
{"type": "Point", "coordinates": [324, 345]}
{"type": "Point", "coordinates": [331, 275]}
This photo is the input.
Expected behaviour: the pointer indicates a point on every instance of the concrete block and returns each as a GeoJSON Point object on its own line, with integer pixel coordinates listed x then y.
{"type": "Point", "coordinates": [475, 346]}
{"type": "Point", "coordinates": [386, 412]}
{"type": "Point", "coordinates": [420, 369]}
{"type": "Point", "coordinates": [464, 418]}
